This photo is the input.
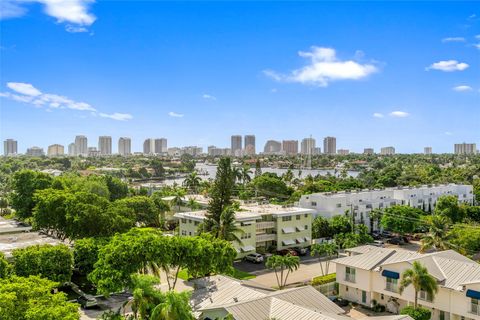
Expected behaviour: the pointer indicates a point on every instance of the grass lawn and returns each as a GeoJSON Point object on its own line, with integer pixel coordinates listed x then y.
{"type": "Point", "coordinates": [237, 274]}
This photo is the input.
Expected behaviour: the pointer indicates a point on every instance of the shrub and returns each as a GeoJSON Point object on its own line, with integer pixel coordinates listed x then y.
{"type": "Point", "coordinates": [418, 313]}
{"type": "Point", "coordinates": [324, 279]}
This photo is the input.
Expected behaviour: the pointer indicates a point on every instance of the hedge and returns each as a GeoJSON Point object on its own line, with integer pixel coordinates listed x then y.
{"type": "Point", "coordinates": [332, 277]}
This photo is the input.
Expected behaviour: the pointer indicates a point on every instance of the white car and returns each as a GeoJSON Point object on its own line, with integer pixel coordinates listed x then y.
{"type": "Point", "coordinates": [254, 257]}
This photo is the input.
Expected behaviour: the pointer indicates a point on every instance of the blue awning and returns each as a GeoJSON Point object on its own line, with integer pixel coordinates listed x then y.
{"type": "Point", "coordinates": [391, 274]}
{"type": "Point", "coordinates": [473, 294]}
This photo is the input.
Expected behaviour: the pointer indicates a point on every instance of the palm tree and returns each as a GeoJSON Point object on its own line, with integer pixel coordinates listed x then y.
{"type": "Point", "coordinates": [437, 236]}
{"type": "Point", "coordinates": [245, 174]}
{"type": "Point", "coordinates": [283, 266]}
{"type": "Point", "coordinates": [324, 249]}
{"type": "Point", "coordinates": [288, 176]}
{"type": "Point", "coordinates": [192, 204]}
{"type": "Point", "coordinates": [145, 296]}
{"type": "Point", "coordinates": [176, 306]}
{"type": "Point", "coordinates": [226, 229]}
{"type": "Point", "coordinates": [420, 279]}
{"type": "Point", "coordinates": [237, 174]}
{"type": "Point", "coordinates": [192, 181]}
{"type": "Point", "coordinates": [178, 197]}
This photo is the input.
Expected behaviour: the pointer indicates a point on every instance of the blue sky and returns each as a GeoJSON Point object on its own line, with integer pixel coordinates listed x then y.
{"type": "Point", "coordinates": [372, 74]}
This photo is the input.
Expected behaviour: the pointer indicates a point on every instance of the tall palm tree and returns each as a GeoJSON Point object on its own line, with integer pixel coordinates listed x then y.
{"type": "Point", "coordinates": [178, 197]}
{"type": "Point", "coordinates": [437, 236]}
{"type": "Point", "coordinates": [192, 181]}
{"type": "Point", "coordinates": [324, 249]}
{"type": "Point", "coordinates": [420, 279]}
{"type": "Point", "coordinates": [145, 296]}
{"type": "Point", "coordinates": [283, 266]}
{"type": "Point", "coordinates": [245, 173]}
{"type": "Point", "coordinates": [236, 174]}
{"type": "Point", "coordinates": [176, 306]}
{"type": "Point", "coordinates": [226, 228]}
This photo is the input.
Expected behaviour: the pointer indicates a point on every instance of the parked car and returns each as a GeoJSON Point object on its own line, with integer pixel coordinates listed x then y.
{"type": "Point", "coordinates": [301, 251]}
{"type": "Point", "coordinates": [378, 243]}
{"type": "Point", "coordinates": [87, 301]}
{"type": "Point", "coordinates": [341, 302]}
{"type": "Point", "coordinates": [284, 252]}
{"type": "Point", "coordinates": [254, 257]}
{"type": "Point", "coordinates": [396, 240]}
{"type": "Point", "coordinates": [386, 234]}
{"type": "Point", "coordinates": [376, 235]}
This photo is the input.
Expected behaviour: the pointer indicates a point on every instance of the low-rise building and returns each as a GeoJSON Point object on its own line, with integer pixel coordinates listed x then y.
{"type": "Point", "coordinates": [372, 275]}
{"type": "Point", "coordinates": [263, 227]}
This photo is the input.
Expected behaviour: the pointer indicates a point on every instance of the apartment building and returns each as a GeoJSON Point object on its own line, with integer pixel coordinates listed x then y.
{"type": "Point", "coordinates": [427, 150]}
{"type": "Point", "coordinates": [290, 147]}
{"type": "Point", "coordinates": [262, 226]}
{"type": "Point", "coordinates": [387, 151]}
{"type": "Point", "coordinates": [105, 145]}
{"type": "Point", "coordinates": [307, 146]}
{"type": "Point", "coordinates": [10, 147]}
{"type": "Point", "coordinates": [250, 145]}
{"type": "Point", "coordinates": [124, 146]}
{"type": "Point", "coordinates": [236, 145]}
{"type": "Point", "coordinates": [81, 146]}
{"type": "Point", "coordinates": [362, 202]}
{"type": "Point", "coordinates": [330, 145]}
{"type": "Point", "coordinates": [55, 150]}
{"type": "Point", "coordinates": [35, 152]}
{"type": "Point", "coordinates": [368, 151]}
{"type": "Point", "coordinates": [373, 274]}
{"type": "Point", "coordinates": [343, 152]}
{"type": "Point", "coordinates": [465, 148]}
{"type": "Point", "coordinates": [272, 147]}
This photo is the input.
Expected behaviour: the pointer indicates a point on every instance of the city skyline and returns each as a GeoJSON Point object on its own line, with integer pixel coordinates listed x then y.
{"type": "Point", "coordinates": [136, 70]}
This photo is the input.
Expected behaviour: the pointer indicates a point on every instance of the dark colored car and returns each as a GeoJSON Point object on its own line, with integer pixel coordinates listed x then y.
{"type": "Point", "coordinates": [341, 302]}
{"type": "Point", "coordinates": [386, 234]}
{"type": "Point", "coordinates": [396, 240]}
{"type": "Point", "coordinates": [301, 251]}
{"type": "Point", "coordinates": [376, 236]}
{"type": "Point", "coordinates": [87, 302]}
{"type": "Point", "coordinates": [284, 252]}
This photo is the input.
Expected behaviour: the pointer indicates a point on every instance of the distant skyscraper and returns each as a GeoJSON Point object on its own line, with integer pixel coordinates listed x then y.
{"type": "Point", "coordinates": [343, 152]}
{"type": "Point", "coordinates": [55, 150]}
{"type": "Point", "coordinates": [427, 150]}
{"type": "Point", "coordinates": [272, 147]}
{"type": "Point", "coordinates": [161, 146]}
{"type": "Point", "coordinates": [387, 151]}
{"type": "Point", "coordinates": [465, 148]}
{"type": "Point", "coordinates": [10, 147]}
{"type": "Point", "coordinates": [250, 145]}
{"type": "Point", "coordinates": [147, 146]}
{"type": "Point", "coordinates": [330, 145]}
{"type": "Point", "coordinates": [290, 146]}
{"type": "Point", "coordinates": [124, 146]}
{"type": "Point", "coordinates": [307, 146]}
{"type": "Point", "coordinates": [71, 149]}
{"type": "Point", "coordinates": [368, 151]}
{"type": "Point", "coordinates": [105, 145]}
{"type": "Point", "coordinates": [35, 152]}
{"type": "Point", "coordinates": [81, 146]}
{"type": "Point", "coordinates": [236, 145]}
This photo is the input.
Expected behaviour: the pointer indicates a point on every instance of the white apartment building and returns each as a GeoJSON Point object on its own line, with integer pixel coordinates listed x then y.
{"type": "Point", "coordinates": [373, 274]}
{"type": "Point", "coordinates": [71, 149]}
{"type": "Point", "coordinates": [330, 145]}
{"type": "Point", "coordinates": [81, 146]}
{"type": "Point", "coordinates": [124, 146]}
{"type": "Point", "coordinates": [10, 147]}
{"type": "Point", "coordinates": [465, 148]}
{"type": "Point", "coordinates": [307, 146]}
{"type": "Point", "coordinates": [105, 145]}
{"type": "Point", "coordinates": [263, 226]}
{"type": "Point", "coordinates": [427, 150]}
{"type": "Point", "coordinates": [362, 202]}
{"type": "Point", "coordinates": [387, 151]}
{"type": "Point", "coordinates": [35, 152]}
{"type": "Point", "coordinates": [249, 145]}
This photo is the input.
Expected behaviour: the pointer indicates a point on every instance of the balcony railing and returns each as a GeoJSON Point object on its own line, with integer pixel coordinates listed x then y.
{"type": "Point", "coordinates": [265, 237]}
{"type": "Point", "coordinates": [475, 309]}
{"type": "Point", "coordinates": [265, 225]}
{"type": "Point", "coordinates": [350, 277]}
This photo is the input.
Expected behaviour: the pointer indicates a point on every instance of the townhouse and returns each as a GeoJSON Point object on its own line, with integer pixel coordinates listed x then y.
{"type": "Point", "coordinates": [263, 227]}
{"type": "Point", "coordinates": [371, 275]}
{"type": "Point", "coordinates": [361, 202]}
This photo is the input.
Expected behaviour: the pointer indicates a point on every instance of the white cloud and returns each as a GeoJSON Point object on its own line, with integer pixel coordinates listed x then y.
{"type": "Point", "coordinates": [208, 97]}
{"type": "Point", "coordinates": [477, 45]}
{"type": "Point", "coordinates": [462, 88]}
{"type": "Point", "coordinates": [75, 12]}
{"type": "Point", "coordinates": [323, 68]}
{"type": "Point", "coordinates": [273, 90]}
{"type": "Point", "coordinates": [175, 115]}
{"type": "Point", "coordinates": [477, 36]}
{"type": "Point", "coordinates": [117, 116]}
{"type": "Point", "coordinates": [24, 88]}
{"type": "Point", "coordinates": [399, 114]}
{"type": "Point", "coordinates": [448, 66]}
{"type": "Point", "coordinates": [448, 133]}
{"type": "Point", "coordinates": [453, 39]}
{"type": "Point", "coordinates": [75, 29]}
{"type": "Point", "coordinates": [378, 115]}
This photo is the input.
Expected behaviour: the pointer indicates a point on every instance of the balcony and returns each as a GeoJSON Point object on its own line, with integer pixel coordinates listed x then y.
{"type": "Point", "coordinates": [265, 225]}
{"type": "Point", "coordinates": [265, 237]}
{"type": "Point", "coordinates": [350, 277]}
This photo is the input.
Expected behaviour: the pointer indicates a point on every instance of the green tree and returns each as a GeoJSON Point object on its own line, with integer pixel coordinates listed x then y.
{"type": "Point", "coordinates": [258, 168]}
{"type": "Point", "coordinates": [117, 188]}
{"type": "Point", "coordinates": [282, 266]}
{"type": "Point", "coordinates": [5, 267]}
{"type": "Point", "coordinates": [50, 212]}
{"type": "Point", "coordinates": [85, 253]}
{"type": "Point", "coordinates": [226, 229]}
{"type": "Point", "coordinates": [158, 170]}
{"type": "Point", "coordinates": [465, 238]}
{"type": "Point", "coordinates": [245, 174]}
{"type": "Point", "coordinates": [3, 205]}
{"type": "Point", "coordinates": [270, 185]}
{"type": "Point", "coordinates": [418, 313]}
{"type": "Point", "coordinates": [438, 234]}
{"type": "Point", "coordinates": [401, 219]}
{"type": "Point", "coordinates": [341, 224]}
{"type": "Point", "coordinates": [192, 182]}
{"type": "Point", "coordinates": [145, 296]}
{"type": "Point", "coordinates": [448, 206]}
{"type": "Point", "coordinates": [24, 185]}
{"type": "Point", "coordinates": [420, 279]}
{"type": "Point", "coordinates": [144, 209]}
{"type": "Point", "coordinates": [178, 197]}
{"type": "Point", "coordinates": [321, 228]}
{"type": "Point", "coordinates": [375, 216]}
{"type": "Point", "coordinates": [176, 306]}
{"type": "Point", "coordinates": [52, 262]}
{"type": "Point", "coordinates": [324, 250]}
{"type": "Point", "coordinates": [32, 299]}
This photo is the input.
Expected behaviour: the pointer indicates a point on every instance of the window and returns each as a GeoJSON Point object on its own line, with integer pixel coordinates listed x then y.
{"type": "Point", "coordinates": [287, 218]}
{"type": "Point", "coordinates": [391, 284]}
{"type": "Point", "coordinates": [475, 306]}
{"type": "Point", "coordinates": [313, 204]}
{"type": "Point", "coordinates": [246, 235]}
{"type": "Point", "coordinates": [184, 233]}
{"type": "Point", "coordinates": [364, 296]}
{"type": "Point", "coordinates": [189, 221]}
{"type": "Point", "coordinates": [306, 227]}
{"type": "Point", "coordinates": [441, 315]}
{"type": "Point", "coordinates": [183, 220]}
{"type": "Point", "coordinates": [425, 296]}
{"type": "Point", "coordinates": [306, 215]}
{"type": "Point", "coordinates": [196, 223]}
{"type": "Point", "coordinates": [189, 233]}
{"type": "Point", "coordinates": [297, 217]}
{"type": "Point", "coordinates": [339, 205]}
{"type": "Point", "coordinates": [349, 274]}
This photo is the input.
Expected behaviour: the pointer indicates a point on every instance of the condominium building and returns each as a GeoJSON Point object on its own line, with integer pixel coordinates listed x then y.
{"type": "Point", "coordinates": [290, 147]}
{"type": "Point", "coordinates": [317, 150]}
{"type": "Point", "coordinates": [35, 152]}
{"type": "Point", "coordinates": [124, 146]}
{"type": "Point", "coordinates": [272, 147]}
{"type": "Point", "coordinates": [262, 226]}
{"type": "Point", "coordinates": [361, 203]}
{"type": "Point", "coordinates": [427, 150]}
{"type": "Point", "coordinates": [71, 149]}
{"type": "Point", "coordinates": [93, 152]}
{"type": "Point", "coordinates": [307, 146]}
{"type": "Point", "coordinates": [372, 275]}
{"type": "Point", "coordinates": [330, 145]}
{"type": "Point", "coordinates": [155, 146]}
{"type": "Point", "coordinates": [55, 150]}
{"type": "Point", "coordinates": [105, 145]}
{"type": "Point", "coordinates": [387, 151]}
{"type": "Point", "coordinates": [10, 147]}
{"type": "Point", "coordinates": [368, 151]}
{"type": "Point", "coordinates": [465, 148]}
{"type": "Point", "coordinates": [213, 151]}
{"type": "Point", "coordinates": [250, 145]}
{"type": "Point", "coordinates": [343, 152]}
{"type": "Point", "coordinates": [236, 145]}
{"type": "Point", "coordinates": [81, 146]}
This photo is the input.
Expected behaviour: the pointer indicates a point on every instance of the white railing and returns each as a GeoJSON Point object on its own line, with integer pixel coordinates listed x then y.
{"type": "Point", "coordinates": [265, 237]}
{"type": "Point", "coordinates": [265, 225]}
